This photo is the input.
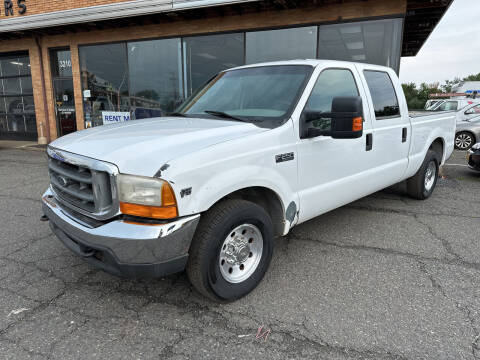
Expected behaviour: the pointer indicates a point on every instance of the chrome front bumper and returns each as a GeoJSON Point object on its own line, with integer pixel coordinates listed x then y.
{"type": "Point", "coordinates": [123, 248]}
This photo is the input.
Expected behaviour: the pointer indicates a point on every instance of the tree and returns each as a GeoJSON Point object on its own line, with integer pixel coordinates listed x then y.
{"type": "Point", "coordinates": [472, 77]}
{"type": "Point", "coordinates": [417, 96]}
{"type": "Point", "coordinates": [447, 87]}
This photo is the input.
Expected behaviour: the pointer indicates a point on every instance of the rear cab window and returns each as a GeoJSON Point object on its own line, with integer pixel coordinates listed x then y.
{"type": "Point", "coordinates": [384, 97]}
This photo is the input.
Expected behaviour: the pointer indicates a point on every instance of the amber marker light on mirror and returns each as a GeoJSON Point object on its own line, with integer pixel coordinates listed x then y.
{"type": "Point", "coordinates": [357, 123]}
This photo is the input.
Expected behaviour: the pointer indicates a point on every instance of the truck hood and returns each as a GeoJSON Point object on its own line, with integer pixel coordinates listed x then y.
{"type": "Point", "coordinates": [141, 147]}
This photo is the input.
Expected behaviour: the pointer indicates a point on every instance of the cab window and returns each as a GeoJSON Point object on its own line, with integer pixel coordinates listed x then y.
{"type": "Point", "coordinates": [330, 84]}
{"type": "Point", "coordinates": [384, 97]}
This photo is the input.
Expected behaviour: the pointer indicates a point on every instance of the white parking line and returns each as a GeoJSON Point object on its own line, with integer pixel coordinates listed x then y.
{"type": "Point", "coordinates": [455, 165]}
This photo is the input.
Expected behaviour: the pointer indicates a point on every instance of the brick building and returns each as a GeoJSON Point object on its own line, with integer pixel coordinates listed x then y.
{"type": "Point", "coordinates": [65, 65]}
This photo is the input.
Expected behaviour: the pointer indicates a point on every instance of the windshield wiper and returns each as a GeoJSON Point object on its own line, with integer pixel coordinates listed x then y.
{"type": "Point", "coordinates": [224, 115]}
{"type": "Point", "coordinates": [177, 114]}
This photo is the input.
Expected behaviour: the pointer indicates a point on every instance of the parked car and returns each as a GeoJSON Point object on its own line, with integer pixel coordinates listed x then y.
{"type": "Point", "coordinates": [453, 105]}
{"type": "Point", "coordinates": [468, 112]}
{"type": "Point", "coordinates": [473, 157]}
{"type": "Point", "coordinates": [431, 104]}
{"type": "Point", "coordinates": [261, 148]}
{"type": "Point", "coordinates": [467, 133]}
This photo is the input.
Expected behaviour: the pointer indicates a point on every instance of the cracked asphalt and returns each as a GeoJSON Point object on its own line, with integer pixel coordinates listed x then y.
{"type": "Point", "coordinates": [386, 277]}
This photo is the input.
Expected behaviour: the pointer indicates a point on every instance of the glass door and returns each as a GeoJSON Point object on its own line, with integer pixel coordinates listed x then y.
{"type": "Point", "coordinates": [63, 91]}
{"type": "Point", "coordinates": [17, 109]}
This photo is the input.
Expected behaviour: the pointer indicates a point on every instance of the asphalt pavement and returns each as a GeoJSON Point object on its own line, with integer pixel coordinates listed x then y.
{"type": "Point", "coordinates": [386, 277]}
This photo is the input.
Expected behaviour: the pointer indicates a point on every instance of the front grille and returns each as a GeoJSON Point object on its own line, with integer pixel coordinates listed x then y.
{"type": "Point", "coordinates": [80, 186]}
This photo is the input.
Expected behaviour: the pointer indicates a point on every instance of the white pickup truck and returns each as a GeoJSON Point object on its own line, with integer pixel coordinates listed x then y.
{"type": "Point", "coordinates": [256, 151]}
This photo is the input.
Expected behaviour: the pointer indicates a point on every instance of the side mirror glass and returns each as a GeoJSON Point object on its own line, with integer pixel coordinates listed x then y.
{"type": "Point", "coordinates": [345, 121]}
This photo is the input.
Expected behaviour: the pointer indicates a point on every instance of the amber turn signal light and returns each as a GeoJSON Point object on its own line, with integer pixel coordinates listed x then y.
{"type": "Point", "coordinates": [168, 210]}
{"type": "Point", "coordinates": [357, 123]}
{"type": "Point", "coordinates": [152, 212]}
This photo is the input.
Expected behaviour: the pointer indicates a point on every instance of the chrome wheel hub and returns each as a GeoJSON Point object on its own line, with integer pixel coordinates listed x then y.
{"type": "Point", "coordinates": [240, 253]}
{"type": "Point", "coordinates": [463, 141]}
{"type": "Point", "coordinates": [430, 175]}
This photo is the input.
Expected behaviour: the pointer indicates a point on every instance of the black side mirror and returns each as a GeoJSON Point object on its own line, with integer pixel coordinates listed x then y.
{"type": "Point", "coordinates": [345, 119]}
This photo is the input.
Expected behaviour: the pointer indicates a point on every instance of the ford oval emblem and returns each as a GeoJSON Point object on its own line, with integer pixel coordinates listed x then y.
{"type": "Point", "coordinates": [57, 156]}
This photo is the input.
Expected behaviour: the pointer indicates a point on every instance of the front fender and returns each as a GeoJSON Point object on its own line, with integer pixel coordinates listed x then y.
{"type": "Point", "coordinates": [227, 182]}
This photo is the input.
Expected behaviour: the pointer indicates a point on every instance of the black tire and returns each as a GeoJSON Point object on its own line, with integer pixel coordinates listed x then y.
{"type": "Point", "coordinates": [416, 187]}
{"type": "Point", "coordinates": [464, 140]}
{"type": "Point", "coordinates": [203, 266]}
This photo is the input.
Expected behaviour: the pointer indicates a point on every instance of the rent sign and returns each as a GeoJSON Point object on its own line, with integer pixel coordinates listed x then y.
{"type": "Point", "coordinates": [111, 117]}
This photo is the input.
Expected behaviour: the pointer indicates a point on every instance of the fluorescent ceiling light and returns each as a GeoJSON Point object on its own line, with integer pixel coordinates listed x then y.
{"type": "Point", "coordinates": [355, 45]}
{"type": "Point", "coordinates": [207, 56]}
{"type": "Point", "coordinates": [359, 57]}
{"type": "Point", "coordinates": [351, 29]}
{"type": "Point", "coordinates": [16, 63]}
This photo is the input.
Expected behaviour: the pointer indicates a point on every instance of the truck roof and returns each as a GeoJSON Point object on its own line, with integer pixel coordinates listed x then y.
{"type": "Point", "coordinates": [311, 62]}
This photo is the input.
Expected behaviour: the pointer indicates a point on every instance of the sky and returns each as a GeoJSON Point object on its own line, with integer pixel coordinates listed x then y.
{"type": "Point", "coordinates": [453, 49]}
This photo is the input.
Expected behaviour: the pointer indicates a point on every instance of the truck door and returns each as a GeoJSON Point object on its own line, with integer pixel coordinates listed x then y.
{"type": "Point", "coordinates": [391, 131]}
{"type": "Point", "coordinates": [332, 172]}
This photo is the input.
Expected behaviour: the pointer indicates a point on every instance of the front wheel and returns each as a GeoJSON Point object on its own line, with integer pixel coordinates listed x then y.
{"type": "Point", "coordinates": [464, 140]}
{"type": "Point", "coordinates": [421, 185]}
{"type": "Point", "coordinates": [231, 250]}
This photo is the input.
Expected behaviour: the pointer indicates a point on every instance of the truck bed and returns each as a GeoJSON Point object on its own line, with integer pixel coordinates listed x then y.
{"type": "Point", "coordinates": [421, 113]}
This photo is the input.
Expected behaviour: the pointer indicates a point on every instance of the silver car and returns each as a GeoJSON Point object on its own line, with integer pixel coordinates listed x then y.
{"type": "Point", "coordinates": [467, 133]}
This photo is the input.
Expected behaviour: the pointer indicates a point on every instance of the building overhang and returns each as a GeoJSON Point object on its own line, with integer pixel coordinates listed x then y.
{"type": "Point", "coordinates": [106, 12]}
{"type": "Point", "coordinates": [421, 16]}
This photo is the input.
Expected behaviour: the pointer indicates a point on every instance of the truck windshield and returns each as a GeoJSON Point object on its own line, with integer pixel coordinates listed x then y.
{"type": "Point", "coordinates": [265, 95]}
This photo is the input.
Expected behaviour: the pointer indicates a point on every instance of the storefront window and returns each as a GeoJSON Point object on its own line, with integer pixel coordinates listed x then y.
{"type": "Point", "coordinates": [284, 44]}
{"type": "Point", "coordinates": [145, 79]}
{"type": "Point", "coordinates": [155, 77]}
{"type": "Point", "coordinates": [205, 56]}
{"type": "Point", "coordinates": [17, 109]}
{"type": "Point", "coordinates": [128, 81]}
{"type": "Point", "coordinates": [104, 74]}
{"type": "Point", "coordinates": [374, 42]}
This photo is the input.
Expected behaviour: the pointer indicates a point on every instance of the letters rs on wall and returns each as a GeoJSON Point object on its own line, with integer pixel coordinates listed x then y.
{"type": "Point", "coordinates": [10, 9]}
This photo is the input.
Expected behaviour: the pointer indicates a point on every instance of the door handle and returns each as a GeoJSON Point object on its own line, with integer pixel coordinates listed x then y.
{"type": "Point", "coordinates": [404, 134]}
{"type": "Point", "coordinates": [369, 144]}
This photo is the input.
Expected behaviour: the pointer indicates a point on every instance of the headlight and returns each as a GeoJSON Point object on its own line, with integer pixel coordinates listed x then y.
{"type": "Point", "coordinates": [146, 197]}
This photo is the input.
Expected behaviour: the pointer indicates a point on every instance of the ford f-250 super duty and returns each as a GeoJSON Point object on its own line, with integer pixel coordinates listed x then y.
{"type": "Point", "coordinates": [256, 151]}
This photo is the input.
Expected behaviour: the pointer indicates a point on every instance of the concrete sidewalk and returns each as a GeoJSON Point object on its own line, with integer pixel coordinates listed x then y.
{"type": "Point", "coordinates": [16, 144]}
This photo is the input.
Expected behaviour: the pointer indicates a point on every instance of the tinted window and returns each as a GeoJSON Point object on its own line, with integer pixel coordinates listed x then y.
{"type": "Point", "coordinates": [331, 83]}
{"type": "Point", "coordinates": [17, 110]}
{"type": "Point", "coordinates": [155, 82]}
{"type": "Point", "coordinates": [383, 94]}
{"type": "Point", "coordinates": [61, 63]}
{"type": "Point", "coordinates": [284, 44]}
{"type": "Point", "coordinates": [373, 42]}
{"type": "Point", "coordinates": [206, 56]}
{"type": "Point", "coordinates": [104, 74]}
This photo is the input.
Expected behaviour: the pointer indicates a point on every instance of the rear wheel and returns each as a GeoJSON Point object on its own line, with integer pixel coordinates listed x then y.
{"type": "Point", "coordinates": [231, 250]}
{"type": "Point", "coordinates": [464, 140]}
{"type": "Point", "coordinates": [421, 185]}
